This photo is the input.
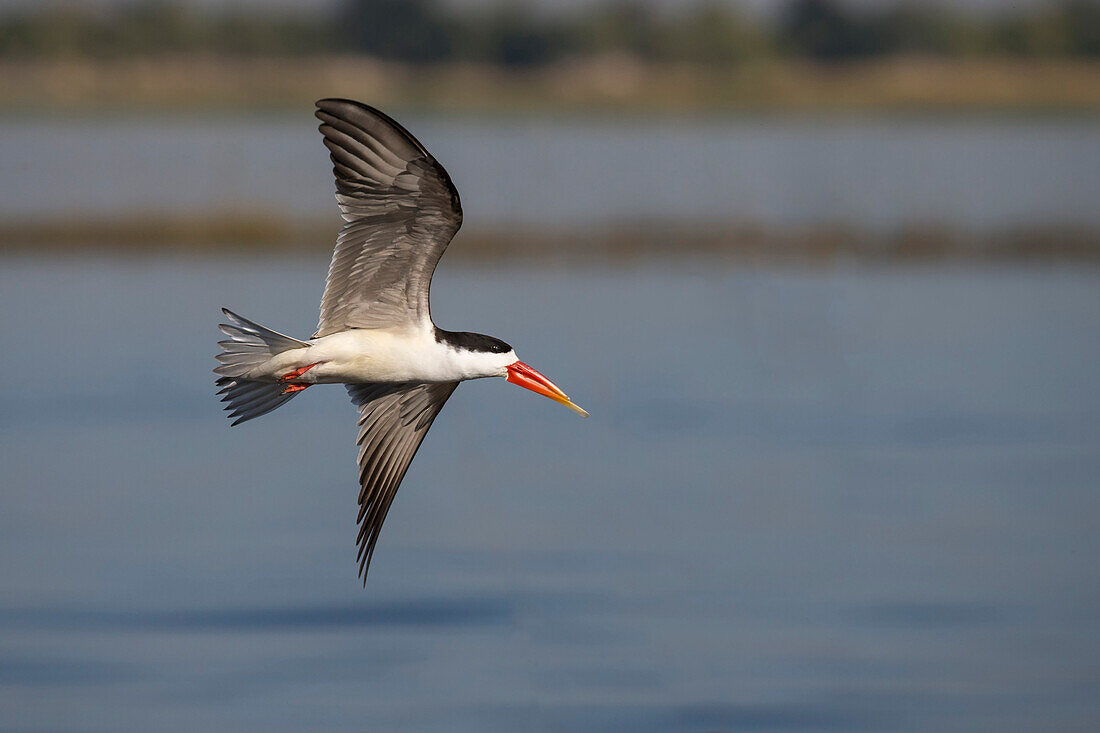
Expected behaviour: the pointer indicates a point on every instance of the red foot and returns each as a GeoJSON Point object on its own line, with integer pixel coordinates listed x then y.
{"type": "Point", "coordinates": [297, 373]}
{"type": "Point", "coordinates": [293, 387]}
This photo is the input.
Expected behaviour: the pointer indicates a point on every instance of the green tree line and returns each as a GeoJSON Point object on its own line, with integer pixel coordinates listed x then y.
{"type": "Point", "coordinates": [425, 31]}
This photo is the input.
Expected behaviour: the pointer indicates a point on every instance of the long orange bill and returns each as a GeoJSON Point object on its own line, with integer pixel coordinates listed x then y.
{"type": "Point", "coordinates": [529, 377]}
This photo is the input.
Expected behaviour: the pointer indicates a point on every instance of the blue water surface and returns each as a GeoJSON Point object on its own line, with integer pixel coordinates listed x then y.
{"type": "Point", "coordinates": [838, 499]}
{"type": "Point", "coordinates": [981, 175]}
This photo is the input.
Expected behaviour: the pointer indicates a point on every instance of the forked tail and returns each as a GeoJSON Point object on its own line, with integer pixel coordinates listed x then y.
{"type": "Point", "coordinates": [248, 346]}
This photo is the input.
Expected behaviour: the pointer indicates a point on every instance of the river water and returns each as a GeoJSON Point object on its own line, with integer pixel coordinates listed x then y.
{"type": "Point", "coordinates": [975, 174]}
{"type": "Point", "coordinates": [837, 499]}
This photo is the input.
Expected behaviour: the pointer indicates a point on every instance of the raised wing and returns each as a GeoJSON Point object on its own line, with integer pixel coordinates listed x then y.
{"type": "Point", "coordinates": [401, 211]}
{"type": "Point", "coordinates": [393, 420]}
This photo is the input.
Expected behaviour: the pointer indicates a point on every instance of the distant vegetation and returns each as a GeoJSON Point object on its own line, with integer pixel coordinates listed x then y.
{"type": "Point", "coordinates": [229, 235]}
{"type": "Point", "coordinates": [695, 56]}
{"type": "Point", "coordinates": [427, 32]}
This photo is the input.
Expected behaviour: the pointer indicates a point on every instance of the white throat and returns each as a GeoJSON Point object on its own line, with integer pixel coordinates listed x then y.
{"type": "Point", "coordinates": [464, 364]}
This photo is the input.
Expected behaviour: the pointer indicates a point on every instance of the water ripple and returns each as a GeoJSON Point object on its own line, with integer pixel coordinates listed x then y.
{"type": "Point", "coordinates": [424, 613]}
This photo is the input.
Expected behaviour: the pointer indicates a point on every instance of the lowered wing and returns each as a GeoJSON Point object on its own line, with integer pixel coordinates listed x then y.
{"type": "Point", "coordinates": [393, 420]}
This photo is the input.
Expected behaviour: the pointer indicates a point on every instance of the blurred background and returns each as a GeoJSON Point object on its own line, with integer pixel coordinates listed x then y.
{"type": "Point", "coordinates": [824, 273]}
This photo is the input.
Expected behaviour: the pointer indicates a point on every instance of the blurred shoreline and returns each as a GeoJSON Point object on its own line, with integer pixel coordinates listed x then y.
{"type": "Point", "coordinates": [738, 242]}
{"type": "Point", "coordinates": [607, 83]}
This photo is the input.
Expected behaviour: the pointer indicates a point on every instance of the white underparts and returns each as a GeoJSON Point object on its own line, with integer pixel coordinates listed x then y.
{"type": "Point", "coordinates": [384, 355]}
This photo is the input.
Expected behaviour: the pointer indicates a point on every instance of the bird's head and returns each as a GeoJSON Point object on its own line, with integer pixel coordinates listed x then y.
{"type": "Point", "coordinates": [485, 356]}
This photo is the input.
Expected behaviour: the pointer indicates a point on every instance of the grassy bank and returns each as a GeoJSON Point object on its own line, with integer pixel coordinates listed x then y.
{"type": "Point", "coordinates": [256, 234]}
{"type": "Point", "coordinates": [612, 83]}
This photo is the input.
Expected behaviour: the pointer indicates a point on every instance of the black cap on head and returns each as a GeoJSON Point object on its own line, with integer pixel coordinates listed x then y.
{"type": "Point", "coordinates": [471, 341]}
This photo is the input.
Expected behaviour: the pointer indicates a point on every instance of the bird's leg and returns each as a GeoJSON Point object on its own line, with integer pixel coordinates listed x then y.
{"type": "Point", "coordinates": [292, 387]}
{"type": "Point", "coordinates": [297, 372]}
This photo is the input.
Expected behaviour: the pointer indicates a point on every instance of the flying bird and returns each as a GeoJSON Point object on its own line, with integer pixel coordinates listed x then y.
{"type": "Point", "coordinates": [375, 334]}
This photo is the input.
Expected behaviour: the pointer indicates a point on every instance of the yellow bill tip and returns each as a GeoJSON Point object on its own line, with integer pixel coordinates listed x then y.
{"type": "Point", "coordinates": [574, 407]}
